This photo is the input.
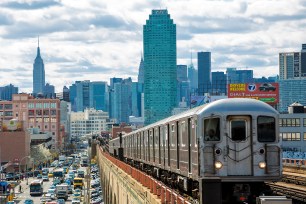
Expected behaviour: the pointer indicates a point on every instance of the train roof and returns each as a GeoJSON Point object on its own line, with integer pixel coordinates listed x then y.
{"type": "Point", "coordinates": [238, 104]}
{"type": "Point", "coordinates": [222, 105]}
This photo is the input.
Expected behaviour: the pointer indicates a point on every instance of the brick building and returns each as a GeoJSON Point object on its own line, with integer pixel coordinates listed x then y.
{"type": "Point", "coordinates": [14, 146]}
{"type": "Point", "coordinates": [43, 113]}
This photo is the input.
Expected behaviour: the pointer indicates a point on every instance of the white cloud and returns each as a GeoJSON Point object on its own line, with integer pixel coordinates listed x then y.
{"type": "Point", "coordinates": [106, 36]}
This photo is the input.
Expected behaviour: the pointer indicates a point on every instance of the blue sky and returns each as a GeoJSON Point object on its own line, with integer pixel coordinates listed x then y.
{"type": "Point", "coordinates": [99, 39]}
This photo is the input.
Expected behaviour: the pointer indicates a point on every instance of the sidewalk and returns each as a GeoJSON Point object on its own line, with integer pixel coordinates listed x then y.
{"type": "Point", "coordinates": [24, 187]}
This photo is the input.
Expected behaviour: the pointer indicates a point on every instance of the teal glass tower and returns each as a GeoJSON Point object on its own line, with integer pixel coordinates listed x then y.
{"type": "Point", "coordinates": [160, 85]}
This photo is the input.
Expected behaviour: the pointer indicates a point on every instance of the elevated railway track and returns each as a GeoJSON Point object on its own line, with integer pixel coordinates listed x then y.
{"type": "Point", "coordinates": [293, 183]}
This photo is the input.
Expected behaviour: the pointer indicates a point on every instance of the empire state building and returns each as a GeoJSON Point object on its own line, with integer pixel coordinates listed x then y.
{"type": "Point", "coordinates": [38, 73]}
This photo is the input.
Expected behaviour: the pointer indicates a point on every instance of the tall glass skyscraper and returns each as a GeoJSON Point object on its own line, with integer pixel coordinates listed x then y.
{"type": "Point", "coordinates": [159, 43]}
{"type": "Point", "coordinates": [204, 72]}
{"type": "Point", "coordinates": [140, 72]}
{"type": "Point", "coordinates": [86, 94]}
{"type": "Point", "coordinates": [38, 73]}
{"type": "Point", "coordinates": [7, 92]}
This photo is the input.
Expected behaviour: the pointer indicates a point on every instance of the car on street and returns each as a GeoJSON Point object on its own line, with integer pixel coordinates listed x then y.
{"type": "Point", "coordinates": [60, 201]}
{"type": "Point", "coordinates": [28, 201]}
{"type": "Point", "coordinates": [45, 178]}
{"type": "Point", "coordinates": [10, 176]}
{"type": "Point", "coordinates": [51, 193]}
{"type": "Point", "coordinates": [39, 176]}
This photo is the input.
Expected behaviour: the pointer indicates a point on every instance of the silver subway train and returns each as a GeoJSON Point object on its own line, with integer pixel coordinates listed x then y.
{"type": "Point", "coordinates": [226, 149]}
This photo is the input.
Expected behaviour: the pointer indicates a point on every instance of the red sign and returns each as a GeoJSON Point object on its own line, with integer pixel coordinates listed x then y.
{"type": "Point", "coordinates": [266, 92]}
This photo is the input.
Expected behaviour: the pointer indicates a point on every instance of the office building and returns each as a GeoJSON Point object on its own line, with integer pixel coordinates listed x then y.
{"type": "Point", "coordinates": [292, 65]}
{"type": "Point", "coordinates": [7, 92]}
{"type": "Point", "coordinates": [122, 101]}
{"type": "Point", "coordinates": [289, 65]}
{"type": "Point", "coordinates": [86, 94]}
{"type": "Point", "coordinates": [41, 113]}
{"type": "Point", "coordinates": [66, 93]}
{"type": "Point", "coordinates": [235, 76]}
{"type": "Point", "coordinates": [290, 91]}
{"type": "Point", "coordinates": [137, 90]}
{"type": "Point", "coordinates": [218, 83]}
{"type": "Point", "coordinates": [160, 84]}
{"type": "Point", "coordinates": [88, 122]}
{"type": "Point", "coordinates": [204, 72]}
{"type": "Point", "coordinates": [141, 72]}
{"type": "Point", "coordinates": [293, 128]}
{"type": "Point", "coordinates": [193, 78]}
{"type": "Point", "coordinates": [38, 74]}
{"type": "Point", "coordinates": [98, 95]}
{"type": "Point", "coordinates": [49, 91]}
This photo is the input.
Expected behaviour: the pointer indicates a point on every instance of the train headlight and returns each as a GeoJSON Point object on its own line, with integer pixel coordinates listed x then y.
{"type": "Point", "coordinates": [262, 165]}
{"type": "Point", "coordinates": [218, 165]}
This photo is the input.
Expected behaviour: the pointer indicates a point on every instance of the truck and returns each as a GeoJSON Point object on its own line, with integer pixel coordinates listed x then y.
{"type": "Point", "coordinates": [62, 158]}
{"type": "Point", "coordinates": [81, 174]}
{"type": "Point", "coordinates": [61, 191]}
{"type": "Point", "coordinates": [84, 161]}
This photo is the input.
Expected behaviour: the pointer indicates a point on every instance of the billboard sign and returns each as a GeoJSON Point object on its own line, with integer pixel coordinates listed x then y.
{"type": "Point", "coordinates": [266, 92]}
{"type": "Point", "coordinates": [12, 125]}
{"type": "Point", "coordinates": [199, 100]}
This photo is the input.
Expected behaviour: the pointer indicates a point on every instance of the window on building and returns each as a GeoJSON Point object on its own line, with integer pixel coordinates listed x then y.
{"type": "Point", "coordinates": [291, 136]}
{"type": "Point", "coordinates": [31, 112]}
{"type": "Point", "coordinates": [38, 112]}
{"type": "Point", "coordinates": [290, 122]}
{"type": "Point", "coordinates": [1, 106]}
{"type": "Point", "coordinates": [304, 137]}
{"type": "Point", "coordinates": [8, 106]}
{"type": "Point", "coordinates": [53, 112]}
{"type": "Point", "coordinates": [304, 122]}
{"type": "Point", "coordinates": [53, 105]}
{"type": "Point", "coordinates": [46, 126]}
{"type": "Point", "coordinates": [38, 105]}
{"type": "Point", "coordinates": [8, 113]}
{"type": "Point", "coordinates": [31, 105]}
{"type": "Point", "coordinates": [46, 112]}
{"type": "Point", "coordinates": [46, 120]}
{"type": "Point", "coordinates": [46, 105]}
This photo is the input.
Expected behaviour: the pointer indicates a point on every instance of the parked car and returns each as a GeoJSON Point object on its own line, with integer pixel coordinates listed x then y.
{"type": "Point", "coordinates": [267, 87]}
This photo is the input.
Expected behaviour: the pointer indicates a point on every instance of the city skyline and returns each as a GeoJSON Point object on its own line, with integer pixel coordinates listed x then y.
{"type": "Point", "coordinates": [85, 41]}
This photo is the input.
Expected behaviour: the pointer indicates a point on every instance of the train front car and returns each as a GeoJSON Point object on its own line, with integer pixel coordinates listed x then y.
{"type": "Point", "coordinates": [239, 151]}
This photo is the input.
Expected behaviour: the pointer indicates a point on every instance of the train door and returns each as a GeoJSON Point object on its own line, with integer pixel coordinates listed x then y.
{"type": "Point", "coordinates": [239, 146]}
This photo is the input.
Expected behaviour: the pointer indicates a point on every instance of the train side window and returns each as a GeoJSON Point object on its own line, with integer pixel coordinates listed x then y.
{"type": "Point", "coordinates": [266, 129]}
{"type": "Point", "coordinates": [238, 130]}
{"type": "Point", "coordinates": [212, 129]}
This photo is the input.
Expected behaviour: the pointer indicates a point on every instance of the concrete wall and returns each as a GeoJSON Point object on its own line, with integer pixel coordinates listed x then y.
{"type": "Point", "coordinates": [120, 187]}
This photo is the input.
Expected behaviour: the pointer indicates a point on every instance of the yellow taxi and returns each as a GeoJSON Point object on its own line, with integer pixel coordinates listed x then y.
{"type": "Point", "coordinates": [50, 175]}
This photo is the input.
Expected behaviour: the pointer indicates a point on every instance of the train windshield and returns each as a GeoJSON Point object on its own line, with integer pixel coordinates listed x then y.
{"type": "Point", "coordinates": [266, 129]}
{"type": "Point", "coordinates": [211, 129]}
